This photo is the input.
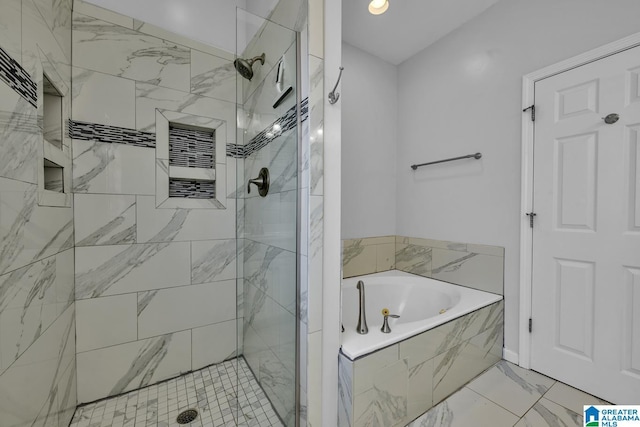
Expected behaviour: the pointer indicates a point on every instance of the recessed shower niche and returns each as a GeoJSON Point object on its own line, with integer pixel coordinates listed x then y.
{"type": "Point", "coordinates": [54, 175]}
{"type": "Point", "coordinates": [190, 161]}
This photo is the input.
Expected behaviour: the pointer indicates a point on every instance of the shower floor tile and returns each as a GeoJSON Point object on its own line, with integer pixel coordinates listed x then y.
{"type": "Point", "coordinates": [211, 391]}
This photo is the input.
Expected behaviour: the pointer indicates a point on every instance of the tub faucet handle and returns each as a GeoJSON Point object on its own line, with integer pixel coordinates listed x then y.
{"type": "Point", "coordinates": [385, 324]}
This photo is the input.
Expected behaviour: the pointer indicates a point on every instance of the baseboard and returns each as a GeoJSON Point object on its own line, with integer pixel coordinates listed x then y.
{"type": "Point", "coordinates": [510, 356]}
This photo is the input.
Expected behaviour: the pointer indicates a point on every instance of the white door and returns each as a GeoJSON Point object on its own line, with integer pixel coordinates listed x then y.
{"type": "Point", "coordinates": [586, 237]}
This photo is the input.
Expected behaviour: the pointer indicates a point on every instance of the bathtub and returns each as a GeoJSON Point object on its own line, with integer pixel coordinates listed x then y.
{"type": "Point", "coordinates": [422, 304]}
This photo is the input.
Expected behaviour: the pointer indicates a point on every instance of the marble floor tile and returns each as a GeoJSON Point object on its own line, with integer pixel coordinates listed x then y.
{"type": "Point", "coordinates": [572, 398]}
{"type": "Point", "coordinates": [463, 409]}
{"type": "Point", "coordinates": [226, 394]}
{"type": "Point", "coordinates": [545, 413]}
{"type": "Point", "coordinates": [512, 387]}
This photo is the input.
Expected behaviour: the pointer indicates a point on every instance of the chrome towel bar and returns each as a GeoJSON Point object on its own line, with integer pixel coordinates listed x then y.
{"type": "Point", "coordinates": [468, 156]}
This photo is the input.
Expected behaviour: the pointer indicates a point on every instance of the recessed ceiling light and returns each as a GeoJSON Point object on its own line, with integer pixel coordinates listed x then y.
{"type": "Point", "coordinates": [378, 7]}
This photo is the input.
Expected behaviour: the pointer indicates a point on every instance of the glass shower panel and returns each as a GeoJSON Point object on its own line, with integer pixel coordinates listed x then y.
{"type": "Point", "coordinates": [266, 227]}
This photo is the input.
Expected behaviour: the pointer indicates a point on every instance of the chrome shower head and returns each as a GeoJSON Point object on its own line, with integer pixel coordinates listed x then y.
{"type": "Point", "coordinates": [245, 66]}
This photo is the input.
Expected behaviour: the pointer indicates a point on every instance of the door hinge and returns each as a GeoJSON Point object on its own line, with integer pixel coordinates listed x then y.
{"type": "Point", "coordinates": [531, 215]}
{"type": "Point", "coordinates": [530, 324]}
{"type": "Point", "coordinates": [533, 112]}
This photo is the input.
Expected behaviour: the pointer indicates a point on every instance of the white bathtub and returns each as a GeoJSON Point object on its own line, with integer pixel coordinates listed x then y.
{"type": "Point", "coordinates": [418, 300]}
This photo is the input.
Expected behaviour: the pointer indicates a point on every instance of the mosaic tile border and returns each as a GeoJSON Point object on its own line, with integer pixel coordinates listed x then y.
{"type": "Point", "coordinates": [192, 188]}
{"type": "Point", "coordinates": [18, 79]}
{"type": "Point", "coordinates": [192, 148]}
{"type": "Point", "coordinates": [111, 134]}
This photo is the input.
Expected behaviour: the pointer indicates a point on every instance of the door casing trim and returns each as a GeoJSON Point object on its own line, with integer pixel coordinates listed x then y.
{"type": "Point", "coordinates": [526, 202]}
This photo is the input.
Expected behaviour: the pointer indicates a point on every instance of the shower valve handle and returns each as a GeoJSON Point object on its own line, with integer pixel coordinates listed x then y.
{"type": "Point", "coordinates": [262, 182]}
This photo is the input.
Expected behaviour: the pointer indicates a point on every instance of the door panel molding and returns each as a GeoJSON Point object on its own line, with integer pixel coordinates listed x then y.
{"type": "Point", "coordinates": [528, 98]}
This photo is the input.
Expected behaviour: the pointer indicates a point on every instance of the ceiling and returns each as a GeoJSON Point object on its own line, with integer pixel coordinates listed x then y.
{"type": "Point", "coordinates": [407, 27]}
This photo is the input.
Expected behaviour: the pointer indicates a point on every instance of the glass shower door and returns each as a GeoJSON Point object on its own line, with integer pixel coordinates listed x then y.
{"type": "Point", "coordinates": [267, 176]}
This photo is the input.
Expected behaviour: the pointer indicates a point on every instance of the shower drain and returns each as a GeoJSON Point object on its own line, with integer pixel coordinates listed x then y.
{"type": "Point", "coordinates": [187, 416]}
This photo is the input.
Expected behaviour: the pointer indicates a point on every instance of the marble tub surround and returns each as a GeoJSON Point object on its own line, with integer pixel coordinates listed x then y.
{"type": "Point", "coordinates": [37, 310]}
{"type": "Point", "coordinates": [145, 321]}
{"type": "Point", "coordinates": [369, 255]}
{"type": "Point", "coordinates": [511, 396]}
{"type": "Point", "coordinates": [395, 385]}
{"type": "Point", "coordinates": [477, 266]}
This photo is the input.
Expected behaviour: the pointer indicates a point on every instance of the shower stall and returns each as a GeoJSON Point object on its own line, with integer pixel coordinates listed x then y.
{"type": "Point", "coordinates": [151, 218]}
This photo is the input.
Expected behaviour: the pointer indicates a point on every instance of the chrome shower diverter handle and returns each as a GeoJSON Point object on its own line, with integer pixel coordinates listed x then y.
{"type": "Point", "coordinates": [262, 182]}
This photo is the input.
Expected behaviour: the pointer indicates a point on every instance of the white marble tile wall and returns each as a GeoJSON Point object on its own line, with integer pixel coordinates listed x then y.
{"type": "Point", "coordinates": [397, 384]}
{"type": "Point", "coordinates": [312, 193]}
{"type": "Point", "coordinates": [155, 281]}
{"type": "Point", "coordinates": [37, 310]}
{"type": "Point", "coordinates": [476, 266]}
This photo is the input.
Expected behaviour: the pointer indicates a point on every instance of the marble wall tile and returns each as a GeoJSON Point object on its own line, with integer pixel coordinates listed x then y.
{"type": "Point", "coordinates": [38, 43]}
{"type": "Point", "coordinates": [120, 51]}
{"type": "Point", "coordinates": [366, 368]}
{"type": "Point", "coordinates": [270, 321]}
{"type": "Point", "coordinates": [151, 97]}
{"type": "Point", "coordinates": [277, 156]}
{"type": "Point", "coordinates": [106, 321]}
{"type": "Point", "coordinates": [315, 263]}
{"type": "Point", "coordinates": [414, 259]}
{"type": "Point", "coordinates": [66, 393]}
{"type": "Point", "coordinates": [419, 389]}
{"type": "Point", "coordinates": [31, 299]}
{"type": "Point", "coordinates": [314, 380]}
{"type": "Point", "coordinates": [386, 403]}
{"type": "Point", "coordinates": [358, 258]}
{"type": "Point", "coordinates": [108, 270]}
{"type": "Point", "coordinates": [316, 126]}
{"type": "Point", "coordinates": [270, 40]}
{"type": "Point", "coordinates": [29, 387]}
{"type": "Point", "coordinates": [456, 366]}
{"type": "Point", "coordinates": [213, 260]}
{"type": "Point", "coordinates": [11, 28]}
{"type": "Point", "coordinates": [436, 341]}
{"type": "Point", "coordinates": [212, 76]}
{"type": "Point", "coordinates": [117, 369]}
{"type": "Point", "coordinates": [213, 343]}
{"type": "Point", "coordinates": [368, 255]}
{"type": "Point", "coordinates": [278, 382]}
{"type": "Point", "coordinates": [104, 219]}
{"type": "Point", "coordinates": [57, 15]}
{"type": "Point", "coordinates": [163, 311]}
{"type": "Point", "coordinates": [345, 392]}
{"type": "Point", "coordinates": [480, 271]}
{"type": "Point", "coordinates": [185, 224]}
{"type": "Point", "coordinates": [316, 28]}
{"type": "Point", "coordinates": [89, 9]}
{"type": "Point", "coordinates": [117, 99]}
{"type": "Point", "coordinates": [21, 137]}
{"type": "Point", "coordinates": [105, 168]}
{"type": "Point", "coordinates": [29, 232]}
{"type": "Point", "coordinates": [271, 220]}
{"type": "Point", "coordinates": [271, 269]}
{"type": "Point", "coordinates": [290, 14]}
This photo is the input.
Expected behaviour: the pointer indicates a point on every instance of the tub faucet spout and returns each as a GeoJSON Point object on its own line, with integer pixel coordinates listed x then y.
{"type": "Point", "coordinates": [362, 318]}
